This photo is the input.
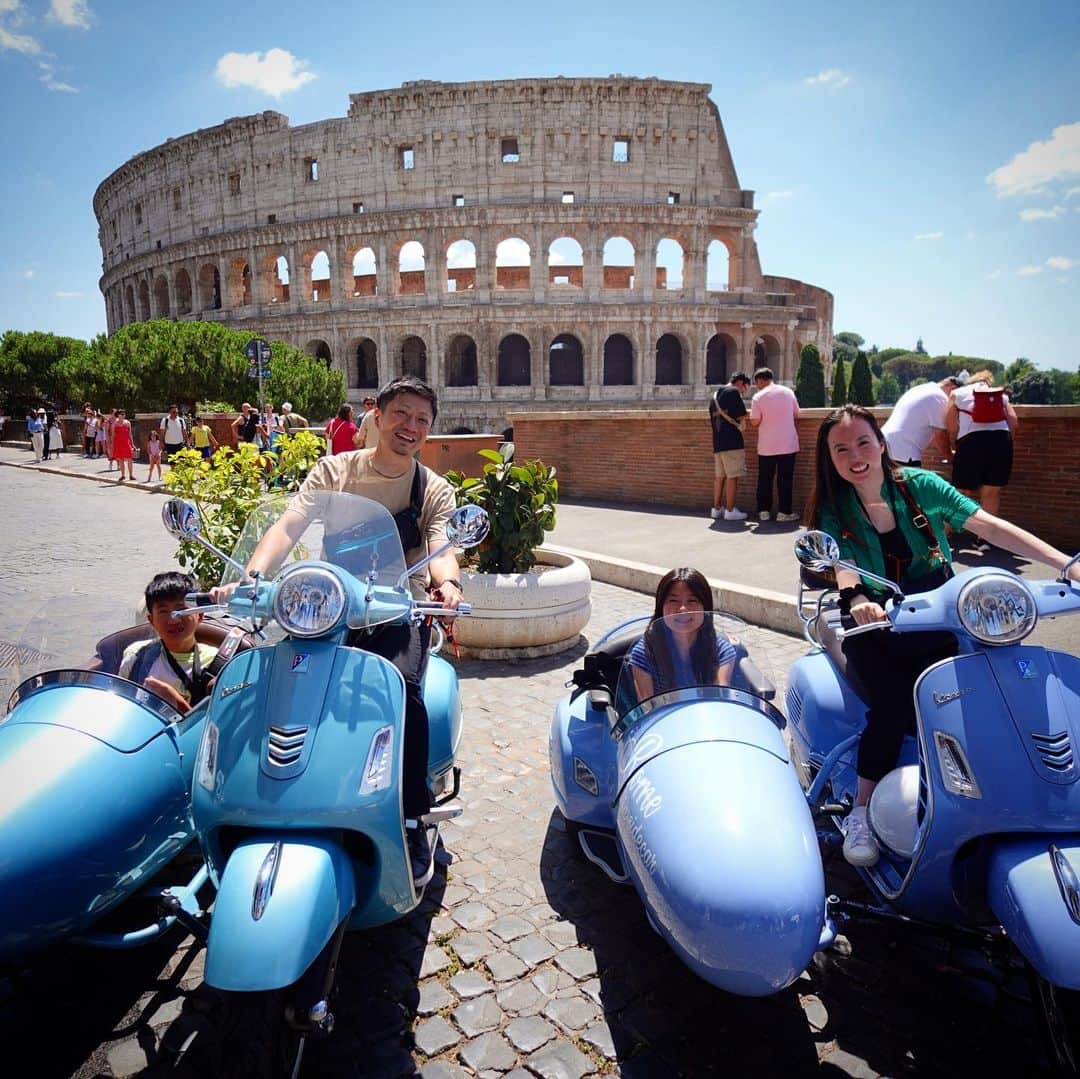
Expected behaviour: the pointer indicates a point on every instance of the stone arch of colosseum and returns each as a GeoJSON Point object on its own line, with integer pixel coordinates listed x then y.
{"type": "Point", "coordinates": [522, 253]}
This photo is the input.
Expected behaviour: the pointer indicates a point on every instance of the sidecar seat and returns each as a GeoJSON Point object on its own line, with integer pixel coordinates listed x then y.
{"type": "Point", "coordinates": [605, 664]}
{"type": "Point", "coordinates": [110, 650]}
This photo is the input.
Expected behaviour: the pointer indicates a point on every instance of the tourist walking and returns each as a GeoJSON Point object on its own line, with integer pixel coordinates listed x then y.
{"type": "Point", "coordinates": [109, 424]}
{"type": "Point", "coordinates": [202, 438]}
{"type": "Point", "coordinates": [89, 431]}
{"type": "Point", "coordinates": [290, 421]}
{"type": "Point", "coordinates": [917, 422]}
{"type": "Point", "coordinates": [981, 421]}
{"type": "Point", "coordinates": [269, 429]}
{"type": "Point", "coordinates": [246, 425]}
{"type": "Point", "coordinates": [123, 449]}
{"type": "Point", "coordinates": [773, 411]}
{"type": "Point", "coordinates": [726, 412]}
{"type": "Point", "coordinates": [99, 435]}
{"type": "Point", "coordinates": [173, 429]}
{"type": "Point", "coordinates": [153, 455]}
{"type": "Point", "coordinates": [54, 441]}
{"type": "Point", "coordinates": [35, 426]}
{"type": "Point", "coordinates": [367, 435]}
{"type": "Point", "coordinates": [341, 431]}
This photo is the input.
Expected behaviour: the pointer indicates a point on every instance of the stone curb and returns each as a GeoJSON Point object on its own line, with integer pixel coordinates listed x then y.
{"type": "Point", "coordinates": [758, 606]}
{"type": "Point", "coordinates": [152, 488]}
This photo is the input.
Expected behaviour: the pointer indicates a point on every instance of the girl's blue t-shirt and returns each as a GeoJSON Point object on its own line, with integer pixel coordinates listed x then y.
{"type": "Point", "coordinates": [642, 658]}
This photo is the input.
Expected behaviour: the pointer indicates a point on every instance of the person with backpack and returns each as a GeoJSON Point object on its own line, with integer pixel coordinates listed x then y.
{"type": "Point", "coordinates": [981, 421]}
{"type": "Point", "coordinates": [174, 432]}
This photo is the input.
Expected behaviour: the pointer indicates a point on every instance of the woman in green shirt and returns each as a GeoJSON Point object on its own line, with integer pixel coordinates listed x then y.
{"type": "Point", "coordinates": [891, 521]}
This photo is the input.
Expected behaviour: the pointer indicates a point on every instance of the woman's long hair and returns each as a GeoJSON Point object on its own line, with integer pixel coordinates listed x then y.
{"type": "Point", "coordinates": [703, 650]}
{"type": "Point", "coordinates": [345, 412]}
{"type": "Point", "coordinates": [830, 488]}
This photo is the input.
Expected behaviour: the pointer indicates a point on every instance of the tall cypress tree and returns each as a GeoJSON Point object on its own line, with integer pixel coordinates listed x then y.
{"type": "Point", "coordinates": [810, 378]}
{"type": "Point", "coordinates": [861, 391]}
{"type": "Point", "coordinates": [839, 385]}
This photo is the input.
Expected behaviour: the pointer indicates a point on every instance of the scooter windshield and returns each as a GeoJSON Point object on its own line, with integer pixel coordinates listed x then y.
{"type": "Point", "coordinates": [353, 533]}
{"type": "Point", "coordinates": [704, 651]}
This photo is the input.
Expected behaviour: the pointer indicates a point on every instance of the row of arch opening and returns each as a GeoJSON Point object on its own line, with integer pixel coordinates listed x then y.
{"type": "Point", "coordinates": [364, 368]}
{"type": "Point", "coordinates": [514, 269]}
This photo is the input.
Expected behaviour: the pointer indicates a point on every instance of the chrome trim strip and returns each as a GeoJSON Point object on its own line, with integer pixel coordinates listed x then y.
{"type": "Point", "coordinates": [1067, 881]}
{"type": "Point", "coordinates": [264, 882]}
{"type": "Point", "coordinates": [109, 683]}
{"type": "Point", "coordinates": [728, 694]}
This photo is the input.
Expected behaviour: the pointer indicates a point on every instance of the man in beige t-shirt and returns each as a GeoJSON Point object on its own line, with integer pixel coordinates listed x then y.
{"type": "Point", "coordinates": [367, 437]}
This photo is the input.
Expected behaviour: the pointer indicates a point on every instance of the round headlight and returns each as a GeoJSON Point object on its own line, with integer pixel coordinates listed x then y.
{"type": "Point", "coordinates": [309, 601]}
{"type": "Point", "coordinates": [997, 609]}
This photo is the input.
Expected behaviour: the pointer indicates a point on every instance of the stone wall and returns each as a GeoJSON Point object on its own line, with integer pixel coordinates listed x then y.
{"type": "Point", "coordinates": [388, 224]}
{"type": "Point", "coordinates": [665, 457]}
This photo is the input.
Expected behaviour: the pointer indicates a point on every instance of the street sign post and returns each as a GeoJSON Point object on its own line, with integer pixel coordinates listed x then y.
{"type": "Point", "coordinates": [257, 352]}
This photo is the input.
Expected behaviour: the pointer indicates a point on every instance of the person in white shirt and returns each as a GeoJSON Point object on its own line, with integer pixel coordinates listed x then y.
{"type": "Point", "coordinates": [173, 429]}
{"type": "Point", "coordinates": [917, 422]}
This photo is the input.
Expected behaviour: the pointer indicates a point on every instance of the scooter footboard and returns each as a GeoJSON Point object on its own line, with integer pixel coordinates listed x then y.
{"type": "Point", "coordinates": [279, 901]}
{"type": "Point", "coordinates": [1034, 890]}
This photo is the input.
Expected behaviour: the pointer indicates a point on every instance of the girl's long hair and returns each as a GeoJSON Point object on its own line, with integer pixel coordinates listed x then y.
{"type": "Point", "coordinates": [830, 489]}
{"type": "Point", "coordinates": [703, 650]}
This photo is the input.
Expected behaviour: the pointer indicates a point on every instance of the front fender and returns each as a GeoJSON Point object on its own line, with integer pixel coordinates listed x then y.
{"type": "Point", "coordinates": [313, 891]}
{"type": "Point", "coordinates": [1032, 902]}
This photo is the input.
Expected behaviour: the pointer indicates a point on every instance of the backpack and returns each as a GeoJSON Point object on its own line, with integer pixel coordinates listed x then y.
{"type": "Point", "coordinates": [987, 405]}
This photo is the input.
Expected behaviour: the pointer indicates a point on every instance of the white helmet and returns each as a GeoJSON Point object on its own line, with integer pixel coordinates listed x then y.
{"type": "Point", "coordinates": [894, 808]}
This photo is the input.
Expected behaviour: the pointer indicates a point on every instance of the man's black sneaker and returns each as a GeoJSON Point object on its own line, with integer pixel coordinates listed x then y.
{"type": "Point", "coordinates": [423, 864]}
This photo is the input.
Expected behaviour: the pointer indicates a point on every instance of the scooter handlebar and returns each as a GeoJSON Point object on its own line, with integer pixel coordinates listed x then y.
{"type": "Point", "coordinates": [870, 627]}
{"type": "Point", "coordinates": [199, 599]}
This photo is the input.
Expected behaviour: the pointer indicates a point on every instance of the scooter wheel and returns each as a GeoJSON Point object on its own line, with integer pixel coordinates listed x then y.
{"type": "Point", "coordinates": [258, 1039]}
{"type": "Point", "coordinates": [1059, 1020]}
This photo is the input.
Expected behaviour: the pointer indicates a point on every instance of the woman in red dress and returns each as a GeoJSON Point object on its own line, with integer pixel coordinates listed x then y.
{"type": "Point", "coordinates": [340, 431]}
{"type": "Point", "coordinates": [123, 447]}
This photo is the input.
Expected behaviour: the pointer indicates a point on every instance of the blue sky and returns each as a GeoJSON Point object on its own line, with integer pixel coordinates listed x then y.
{"type": "Point", "coordinates": [921, 161]}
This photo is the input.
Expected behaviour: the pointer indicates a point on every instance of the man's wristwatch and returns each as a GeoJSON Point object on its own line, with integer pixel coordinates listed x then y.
{"type": "Point", "coordinates": [451, 580]}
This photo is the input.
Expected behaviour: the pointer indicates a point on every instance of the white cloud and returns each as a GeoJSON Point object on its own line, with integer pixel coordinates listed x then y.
{"type": "Point", "coordinates": [1059, 262]}
{"type": "Point", "coordinates": [1029, 271]}
{"type": "Point", "coordinates": [67, 295]}
{"type": "Point", "coordinates": [1034, 214]}
{"type": "Point", "coordinates": [12, 18]}
{"type": "Point", "coordinates": [929, 235]}
{"type": "Point", "coordinates": [461, 255]}
{"type": "Point", "coordinates": [28, 274]}
{"type": "Point", "coordinates": [276, 73]}
{"type": "Point", "coordinates": [780, 194]}
{"type": "Point", "coordinates": [74, 13]}
{"type": "Point", "coordinates": [1040, 164]}
{"type": "Point", "coordinates": [1072, 192]}
{"type": "Point", "coordinates": [51, 82]}
{"type": "Point", "coordinates": [993, 276]}
{"type": "Point", "coordinates": [512, 252]}
{"type": "Point", "coordinates": [832, 79]}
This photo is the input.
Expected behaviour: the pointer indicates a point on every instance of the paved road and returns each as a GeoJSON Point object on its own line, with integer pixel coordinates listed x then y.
{"type": "Point", "coordinates": [524, 960]}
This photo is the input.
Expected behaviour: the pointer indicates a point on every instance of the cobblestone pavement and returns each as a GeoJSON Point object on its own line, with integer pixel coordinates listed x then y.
{"type": "Point", "coordinates": [524, 960]}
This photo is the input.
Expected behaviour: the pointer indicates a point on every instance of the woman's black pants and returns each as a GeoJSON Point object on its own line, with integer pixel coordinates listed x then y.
{"type": "Point", "coordinates": [888, 664]}
{"type": "Point", "coordinates": [406, 647]}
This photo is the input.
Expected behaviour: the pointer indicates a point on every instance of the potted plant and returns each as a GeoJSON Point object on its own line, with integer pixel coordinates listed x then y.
{"type": "Point", "coordinates": [527, 601]}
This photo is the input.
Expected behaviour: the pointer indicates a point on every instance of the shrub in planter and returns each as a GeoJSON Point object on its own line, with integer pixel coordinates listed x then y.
{"type": "Point", "coordinates": [520, 500]}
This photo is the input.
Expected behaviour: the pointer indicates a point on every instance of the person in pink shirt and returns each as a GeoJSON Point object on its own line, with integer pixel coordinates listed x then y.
{"type": "Point", "coordinates": [773, 411]}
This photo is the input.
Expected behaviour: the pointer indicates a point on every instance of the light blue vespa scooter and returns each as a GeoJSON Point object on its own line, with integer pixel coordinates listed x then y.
{"type": "Point", "coordinates": [979, 825]}
{"type": "Point", "coordinates": [297, 792]}
{"type": "Point", "coordinates": [690, 796]}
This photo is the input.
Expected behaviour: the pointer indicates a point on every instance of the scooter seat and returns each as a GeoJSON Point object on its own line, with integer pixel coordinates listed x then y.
{"type": "Point", "coordinates": [825, 632]}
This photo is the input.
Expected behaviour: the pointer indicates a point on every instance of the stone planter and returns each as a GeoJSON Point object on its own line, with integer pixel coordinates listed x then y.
{"type": "Point", "coordinates": [524, 615]}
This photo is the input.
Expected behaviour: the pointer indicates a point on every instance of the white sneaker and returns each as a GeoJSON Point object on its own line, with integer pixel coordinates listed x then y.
{"type": "Point", "coordinates": [764, 515]}
{"type": "Point", "coordinates": [787, 518]}
{"type": "Point", "coordinates": [860, 846]}
{"type": "Point", "coordinates": [716, 513]}
{"type": "Point", "coordinates": [734, 515]}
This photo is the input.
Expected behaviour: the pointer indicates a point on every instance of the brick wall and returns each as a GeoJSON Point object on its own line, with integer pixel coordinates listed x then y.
{"type": "Point", "coordinates": [665, 457]}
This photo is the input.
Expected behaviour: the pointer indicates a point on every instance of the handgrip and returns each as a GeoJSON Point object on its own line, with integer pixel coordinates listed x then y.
{"type": "Point", "coordinates": [199, 599]}
{"type": "Point", "coordinates": [868, 628]}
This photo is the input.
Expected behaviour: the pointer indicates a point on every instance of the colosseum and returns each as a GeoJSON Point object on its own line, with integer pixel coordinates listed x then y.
{"type": "Point", "coordinates": [522, 244]}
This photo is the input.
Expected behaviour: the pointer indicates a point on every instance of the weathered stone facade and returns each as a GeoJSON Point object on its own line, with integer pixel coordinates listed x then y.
{"type": "Point", "coordinates": [539, 206]}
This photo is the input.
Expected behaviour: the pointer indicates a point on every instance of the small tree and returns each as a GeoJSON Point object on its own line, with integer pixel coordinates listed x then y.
{"type": "Point", "coordinates": [810, 378]}
{"type": "Point", "coordinates": [839, 386]}
{"type": "Point", "coordinates": [887, 389]}
{"type": "Point", "coordinates": [861, 390]}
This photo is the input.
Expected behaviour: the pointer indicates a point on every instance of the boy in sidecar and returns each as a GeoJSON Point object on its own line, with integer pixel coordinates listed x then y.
{"type": "Point", "coordinates": [174, 666]}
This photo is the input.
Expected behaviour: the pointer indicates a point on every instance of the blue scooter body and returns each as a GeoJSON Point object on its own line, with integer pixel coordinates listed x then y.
{"type": "Point", "coordinates": [95, 776]}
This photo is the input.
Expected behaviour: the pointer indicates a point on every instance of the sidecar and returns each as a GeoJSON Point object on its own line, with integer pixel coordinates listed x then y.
{"type": "Point", "coordinates": [95, 779]}
{"type": "Point", "coordinates": [690, 796]}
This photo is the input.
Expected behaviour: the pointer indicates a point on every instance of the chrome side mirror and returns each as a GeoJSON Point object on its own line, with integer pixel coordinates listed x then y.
{"type": "Point", "coordinates": [468, 526]}
{"type": "Point", "coordinates": [181, 519]}
{"type": "Point", "coordinates": [816, 550]}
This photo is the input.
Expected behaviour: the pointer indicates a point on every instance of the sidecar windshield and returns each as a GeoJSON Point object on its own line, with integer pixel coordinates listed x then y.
{"type": "Point", "coordinates": [692, 650]}
{"type": "Point", "coordinates": [353, 533]}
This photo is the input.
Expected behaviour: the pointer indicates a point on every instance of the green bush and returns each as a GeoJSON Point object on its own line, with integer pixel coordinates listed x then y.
{"type": "Point", "coordinates": [228, 487]}
{"type": "Point", "coordinates": [520, 500]}
{"type": "Point", "coordinates": [810, 378]}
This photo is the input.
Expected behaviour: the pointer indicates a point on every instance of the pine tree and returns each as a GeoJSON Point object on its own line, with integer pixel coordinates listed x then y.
{"type": "Point", "coordinates": [839, 386]}
{"type": "Point", "coordinates": [861, 390]}
{"type": "Point", "coordinates": [810, 378]}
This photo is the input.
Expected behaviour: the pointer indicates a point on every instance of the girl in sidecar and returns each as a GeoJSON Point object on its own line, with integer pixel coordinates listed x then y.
{"type": "Point", "coordinates": [892, 521]}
